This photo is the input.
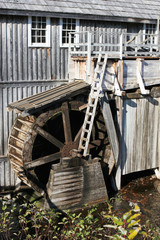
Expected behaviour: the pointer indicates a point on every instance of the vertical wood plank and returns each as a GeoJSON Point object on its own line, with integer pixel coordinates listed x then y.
{"type": "Point", "coordinates": [20, 50]}
{"type": "Point", "coordinates": [39, 62]}
{"type": "Point", "coordinates": [0, 52]}
{"type": "Point", "coordinates": [1, 122]}
{"type": "Point", "coordinates": [15, 51]}
{"type": "Point", "coordinates": [10, 50]}
{"type": "Point", "coordinates": [25, 50]}
{"type": "Point", "coordinates": [4, 51]}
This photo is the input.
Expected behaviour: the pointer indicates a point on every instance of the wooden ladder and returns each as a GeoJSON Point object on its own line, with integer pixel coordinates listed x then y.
{"type": "Point", "coordinates": [92, 103]}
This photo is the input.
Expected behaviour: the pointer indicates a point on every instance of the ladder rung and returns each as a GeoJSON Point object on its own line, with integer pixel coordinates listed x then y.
{"type": "Point", "coordinates": [97, 80]}
{"type": "Point", "coordinates": [88, 122]}
{"type": "Point", "coordinates": [89, 113]}
{"type": "Point", "coordinates": [95, 88]}
{"type": "Point", "coordinates": [99, 71]}
{"type": "Point", "coordinates": [86, 130]}
{"type": "Point", "coordinates": [91, 105]}
{"type": "Point", "coordinates": [100, 63]}
{"type": "Point", "coordinates": [84, 139]}
{"type": "Point", "coordinates": [82, 147]}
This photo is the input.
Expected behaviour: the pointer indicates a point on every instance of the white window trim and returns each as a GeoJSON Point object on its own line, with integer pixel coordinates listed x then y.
{"type": "Point", "coordinates": [48, 28]}
{"type": "Point", "coordinates": [65, 45]}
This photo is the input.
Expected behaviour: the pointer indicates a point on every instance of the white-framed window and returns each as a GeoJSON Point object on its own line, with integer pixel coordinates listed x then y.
{"type": "Point", "coordinates": [150, 30]}
{"type": "Point", "coordinates": [68, 25]}
{"type": "Point", "coordinates": [38, 31]}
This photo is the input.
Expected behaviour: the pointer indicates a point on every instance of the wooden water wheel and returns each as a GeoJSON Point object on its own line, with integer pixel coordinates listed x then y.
{"type": "Point", "coordinates": [37, 141]}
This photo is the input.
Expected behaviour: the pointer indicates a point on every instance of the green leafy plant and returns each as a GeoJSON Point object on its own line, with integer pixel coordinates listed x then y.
{"type": "Point", "coordinates": [34, 223]}
{"type": "Point", "coordinates": [128, 226]}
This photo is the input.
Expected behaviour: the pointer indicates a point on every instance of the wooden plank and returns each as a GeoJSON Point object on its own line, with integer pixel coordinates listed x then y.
{"type": "Point", "coordinates": [25, 50]}
{"type": "Point", "coordinates": [10, 51]}
{"type": "Point", "coordinates": [108, 119]}
{"type": "Point", "coordinates": [20, 50]}
{"type": "Point", "coordinates": [4, 52]}
{"type": "Point", "coordinates": [43, 160]}
{"type": "Point", "coordinates": [15, 52]}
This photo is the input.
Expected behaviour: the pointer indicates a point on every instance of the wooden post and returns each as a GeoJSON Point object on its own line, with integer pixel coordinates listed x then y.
{"type": "Point", "coordinates": [100, 41]}
{"type": "Point", "coordinates": [108, 119]}
{"type": "Point", "coordinates": [121, 45]}
{"type": "Point", "coordinates": [118, 174]}
{"type": "Point", "coordinates": [157, 38]}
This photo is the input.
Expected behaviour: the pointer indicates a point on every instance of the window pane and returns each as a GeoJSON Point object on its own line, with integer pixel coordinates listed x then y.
{"type": "Point", "coordinates": [33, 19]}
{"type": "Point", "coordinates": [38, 39]}
{"type": "Point", "coordinates": [33, 24]}
{"type": "Point", "coordinates": [43, 25]}
{"type": "Point", "coordinates": [33, 32]}
{"type": "Point", "coordinates": [33, 40]}
{"type": "Point", "coordinates": [39, 25]}
{"type": "Point", "coordinates": [43, 32]}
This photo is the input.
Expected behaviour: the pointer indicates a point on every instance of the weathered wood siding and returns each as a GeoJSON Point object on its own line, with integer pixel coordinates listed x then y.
{"type": "Point", "coordinates": [140, 138]}
{"type": "Point", "coordinates": [20, 62]}
{"type": "Point", "coordinates": [7, 175]}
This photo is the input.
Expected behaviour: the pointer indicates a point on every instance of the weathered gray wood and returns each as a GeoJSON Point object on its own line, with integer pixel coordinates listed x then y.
{"type": "Point", "coordinates": [110, 126]}
{"type": "Point", "coordinates": [66, 122]}
{"type": "Point", "coordinates": [90, 10]}
{"type": "Point", "coordinates": [86, 186]}
{"type": "Point", "coordinates": [43, 160]}
{"type": "Point", "coordinates": [4, 51]}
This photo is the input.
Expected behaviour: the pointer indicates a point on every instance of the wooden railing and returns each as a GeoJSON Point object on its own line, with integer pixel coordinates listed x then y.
{"type": "Point", "coordinates": [90, 44]}
{"type": "Point", "coordinates": [116, 45]}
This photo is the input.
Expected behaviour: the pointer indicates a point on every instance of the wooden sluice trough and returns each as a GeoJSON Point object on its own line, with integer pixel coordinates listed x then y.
{"type": "Point", "coordinates": [73, 183]}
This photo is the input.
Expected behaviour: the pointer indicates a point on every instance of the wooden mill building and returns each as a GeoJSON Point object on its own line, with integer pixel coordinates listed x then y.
{"type": "Point", "coordinates": [47, 43]}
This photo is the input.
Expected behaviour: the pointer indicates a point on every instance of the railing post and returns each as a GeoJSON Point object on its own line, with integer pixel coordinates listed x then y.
{"type": "Point", "coordinates": [100, 41]}
{"type": "Point", "coordinates": [121, 46]}
{"type": "Point", "coordinates": [89, 55]}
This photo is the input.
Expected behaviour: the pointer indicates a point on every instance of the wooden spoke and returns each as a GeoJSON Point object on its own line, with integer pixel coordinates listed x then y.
{"type": "Point", "coordinates": [66, 123]}
{"type": "Point", "coordinates": [78, 135]}
{"type": "Point", "coordinates": [43, 160]}
{"type": "Point", "coordinates": [50, 138]}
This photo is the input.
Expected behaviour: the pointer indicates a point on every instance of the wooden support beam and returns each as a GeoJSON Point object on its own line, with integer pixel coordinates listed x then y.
{"type": "Point", "coordinates": [108, 119]}
{"type": "Point", "coordinates": [140, 77]}
{"type": "Point", "coordinates": [117, 88]}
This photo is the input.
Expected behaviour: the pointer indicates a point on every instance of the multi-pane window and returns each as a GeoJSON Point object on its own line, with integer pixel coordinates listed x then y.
{"type": "Point", "coordinates": [150, 30]}
{"type": "Point", "coordinates": [39, 31]}
{"type": "Point", "coordinates": [68, 25]}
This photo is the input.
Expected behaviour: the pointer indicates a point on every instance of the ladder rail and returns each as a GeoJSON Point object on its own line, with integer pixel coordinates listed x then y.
{"type": "Point", "coordinates": [96, 88]}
